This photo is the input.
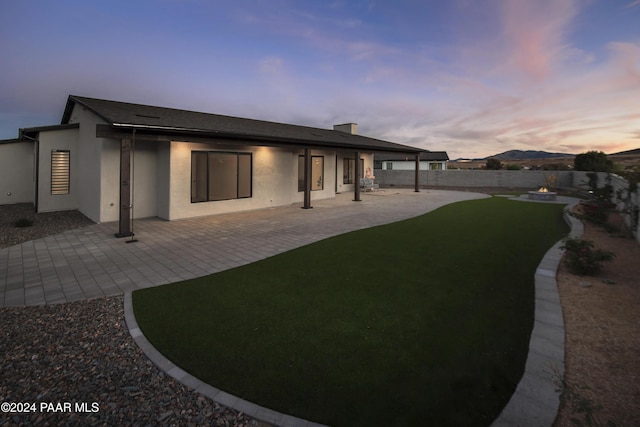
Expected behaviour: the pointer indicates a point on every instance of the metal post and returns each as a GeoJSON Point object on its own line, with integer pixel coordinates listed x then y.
{"type": "Point", "coordinates": [125, 189]}
{"type": "Point", "coordinates": [133, 177]}
{"type": "Point", "coordinates": [356, 177]}
{"type": "Point", "coordinates": [307, 179]}
{"type": "Point", "coordinates": [417, 184]}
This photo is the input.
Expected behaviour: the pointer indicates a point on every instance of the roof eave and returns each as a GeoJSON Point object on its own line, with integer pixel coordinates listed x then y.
{"type": "Point", "coordinates": [264, 138]}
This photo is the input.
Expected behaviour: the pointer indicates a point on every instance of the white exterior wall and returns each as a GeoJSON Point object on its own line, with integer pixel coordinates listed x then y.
{"type": "Point", "coordinates": [17, 179]}
{"type": "Point", "coordinates": [274, 180]}
{"type": "Point", "coordinates": [109, 201]}
{"type": "Point", "coordinates": [163, 180]}
{"type": "Point", "coordinates": [95, 167]}
{"type": "Point", "coordinates": [145, 186]}
{"type": "Point", "coordinates": [58, 140]}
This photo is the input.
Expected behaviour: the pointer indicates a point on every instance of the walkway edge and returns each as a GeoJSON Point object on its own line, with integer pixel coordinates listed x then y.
{"type": "Point", "coordinates": [537, 397]}
{"type": "Point", "coordinates": [218, 396]}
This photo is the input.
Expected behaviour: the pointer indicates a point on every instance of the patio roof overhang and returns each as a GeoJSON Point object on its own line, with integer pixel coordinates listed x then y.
{"type": "Point", "coordinates": [158, 133]}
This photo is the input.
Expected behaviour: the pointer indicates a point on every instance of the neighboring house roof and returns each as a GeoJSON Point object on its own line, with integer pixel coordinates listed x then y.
{"type": "Point", "coordinates": [424, 156]}
{"type": "Point", "coordinates": [123, 117]}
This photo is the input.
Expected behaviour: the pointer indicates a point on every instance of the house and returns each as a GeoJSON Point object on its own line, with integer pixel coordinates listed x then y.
{"type": "Point", "coordinates": [429, 160]}
{"type": "Point", "coordinates": [114, 161]}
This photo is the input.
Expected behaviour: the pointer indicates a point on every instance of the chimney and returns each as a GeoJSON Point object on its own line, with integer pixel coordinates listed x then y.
{"type": "Point", "coordinates": [351, 128]}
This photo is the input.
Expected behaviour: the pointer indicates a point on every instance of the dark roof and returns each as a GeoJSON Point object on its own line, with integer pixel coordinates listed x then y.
{"type": "Point", "coordinates": [30, 133]}
{"type": "Point", "coordinates": [122, 115]}
{"type": "Point", "coordinates": [11, 141]}
{"type": "Point", "coordinates": [37, 129]}
{"type": "Point", "coordinates": [427, 155]}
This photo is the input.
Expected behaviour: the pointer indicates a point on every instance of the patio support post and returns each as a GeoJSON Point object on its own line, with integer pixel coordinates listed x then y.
{"type": "Point", "coordinates": [307, 179]}
{"type": "Point", "coordinates": [356, 177]}
{"type": "Point", "coordinates": [417, 189]}
{"type": "Point", "coordinates": [125, 189]}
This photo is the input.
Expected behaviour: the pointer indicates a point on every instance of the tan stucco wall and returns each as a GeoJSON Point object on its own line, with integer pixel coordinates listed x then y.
{"type": "Point", "coordinates": [66, 139]}
{"type": "Point", "coordinates": [16, 172]}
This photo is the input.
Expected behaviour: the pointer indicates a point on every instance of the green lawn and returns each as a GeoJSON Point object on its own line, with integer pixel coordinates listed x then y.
{"type": "Point", "coordinates": [421, 322]}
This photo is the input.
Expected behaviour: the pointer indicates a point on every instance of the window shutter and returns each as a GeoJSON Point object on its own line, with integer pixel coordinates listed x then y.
{"type": "Point", "coordinates": [60, 172]}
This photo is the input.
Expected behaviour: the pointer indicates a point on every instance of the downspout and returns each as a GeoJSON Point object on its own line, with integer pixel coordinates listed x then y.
{"type": "Point", "coordinates": [36, 145]}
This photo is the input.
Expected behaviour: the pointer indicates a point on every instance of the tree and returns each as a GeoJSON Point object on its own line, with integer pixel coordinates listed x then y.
{"type": "Point", "coordinates": [493, 164]}
{"type": "Point", "coordinates": [593, 161]}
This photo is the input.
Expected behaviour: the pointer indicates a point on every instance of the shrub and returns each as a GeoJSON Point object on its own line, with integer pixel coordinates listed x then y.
{"type": "Point", "coordinates": [595, 212]}
{"type": "Point", "coordinates": [493, 164]}
{"type": "Point", "coordinates": [23, 222]}
{"type": "Point", "coordinates": [595, 161]}
{"type": "Point", "coordinates": [581, 257]}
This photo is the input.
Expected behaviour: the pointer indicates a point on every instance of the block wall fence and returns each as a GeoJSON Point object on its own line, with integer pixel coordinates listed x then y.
{"type": "Point", "coordinates": [470, 179]}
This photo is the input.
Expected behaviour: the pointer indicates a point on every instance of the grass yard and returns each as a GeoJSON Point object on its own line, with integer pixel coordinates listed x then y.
{"type": "Point", "coordinates": [420, 322]}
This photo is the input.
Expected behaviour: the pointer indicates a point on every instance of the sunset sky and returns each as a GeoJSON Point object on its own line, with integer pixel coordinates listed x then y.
{"type": "Point", "coordinates": [470, 77]}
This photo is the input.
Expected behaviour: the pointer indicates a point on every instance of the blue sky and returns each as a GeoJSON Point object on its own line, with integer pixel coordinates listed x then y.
{"type": "Point", "coordinates": [471, 77]}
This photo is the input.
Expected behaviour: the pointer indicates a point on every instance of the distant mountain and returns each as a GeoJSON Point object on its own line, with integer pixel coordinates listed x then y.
{"type": "Point", "coordinates": [521, 155]}
{"type": "Point", "coordinates": [513, 155]}
{"type": "Point", "coordinates": [622, 153]}
{"type": "Point", "coordinates": [528, 155]}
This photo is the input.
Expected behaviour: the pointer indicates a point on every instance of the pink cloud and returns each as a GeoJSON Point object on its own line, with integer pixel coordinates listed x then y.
{"type": "Point", "coordinates": [535, 33]}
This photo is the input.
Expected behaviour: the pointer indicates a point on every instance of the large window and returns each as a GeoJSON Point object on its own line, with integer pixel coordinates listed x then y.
{"type": "Point", "coordinates": [220, 176]}
{"type": "Point", "coordinates": [348, 170]}
{"type": "Point", "coordinates": [60, 171]}
{"type": "Point", "coordinates": [317, 173]}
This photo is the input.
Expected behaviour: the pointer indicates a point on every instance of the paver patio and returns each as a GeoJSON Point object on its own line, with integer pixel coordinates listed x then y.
{"type": "Point", "coordinates": [90, 262]}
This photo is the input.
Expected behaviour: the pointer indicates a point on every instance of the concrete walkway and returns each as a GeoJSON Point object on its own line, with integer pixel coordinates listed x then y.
{"type": "Point", "coordinates": [90, 262]}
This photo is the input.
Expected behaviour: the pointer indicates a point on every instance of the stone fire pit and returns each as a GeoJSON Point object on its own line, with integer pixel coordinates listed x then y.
{"type": "Point", "coordinates": [542, 194]}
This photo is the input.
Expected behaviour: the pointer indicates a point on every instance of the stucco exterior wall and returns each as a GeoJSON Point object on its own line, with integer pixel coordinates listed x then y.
{"type": "Point", "coordinates": [89, 189]}
{"type": "Point", "coordinates": [58, 140]}
{"type": "Point", "coordinates": [144, 165]}
{"type": "Point", "coordinates": [163, 179]}
{"type": "Point", "coordinates": [17, 179]}
{"type": "Point", "coordinates": [274, 180]}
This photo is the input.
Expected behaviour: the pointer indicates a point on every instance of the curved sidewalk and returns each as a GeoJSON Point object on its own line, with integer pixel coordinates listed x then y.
{"type": "Point", "coordinates": [90, 262]}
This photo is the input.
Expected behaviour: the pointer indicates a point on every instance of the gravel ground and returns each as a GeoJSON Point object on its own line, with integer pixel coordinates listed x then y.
{"type": "Point", "coordinates": [602, 356]}
{"type": "Point", "coordinates": [44, 224]}
{"type": "Point", "coordinates": [82, 353]}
